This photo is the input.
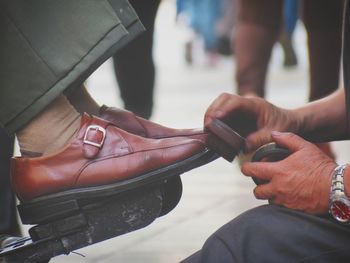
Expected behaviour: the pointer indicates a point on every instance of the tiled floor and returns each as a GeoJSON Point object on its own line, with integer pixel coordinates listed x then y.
{"type": "Point", "coordinates": [213, 194]}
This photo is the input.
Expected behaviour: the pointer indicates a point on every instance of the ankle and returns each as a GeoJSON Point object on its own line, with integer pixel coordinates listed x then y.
{"type": "Point", "coordinates": [82, 101]}
{"type": "Point", "coordinates": [50, 130]}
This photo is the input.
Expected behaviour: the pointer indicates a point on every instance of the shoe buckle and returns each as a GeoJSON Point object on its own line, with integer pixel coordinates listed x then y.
{"type": "Point", "coordinates": [98, 129]}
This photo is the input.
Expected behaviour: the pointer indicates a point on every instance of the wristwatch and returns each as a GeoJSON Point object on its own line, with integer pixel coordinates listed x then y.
{"type": "Point", "coordinates": [339, 203]}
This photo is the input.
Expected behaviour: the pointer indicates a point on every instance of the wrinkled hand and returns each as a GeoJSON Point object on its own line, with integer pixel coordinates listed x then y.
{"type": "Point", "coordinates": [301, 181]}
{"type": "Point", "coordinates": [252, 117]}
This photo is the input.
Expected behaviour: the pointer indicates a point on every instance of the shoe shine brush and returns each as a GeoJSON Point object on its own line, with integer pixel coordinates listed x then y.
{"type": "Point", "coordinates": [224, 140]}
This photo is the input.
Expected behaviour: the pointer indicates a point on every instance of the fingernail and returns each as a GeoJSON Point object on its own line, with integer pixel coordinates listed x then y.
{"type": "Point", "coordinates": [276, 133]}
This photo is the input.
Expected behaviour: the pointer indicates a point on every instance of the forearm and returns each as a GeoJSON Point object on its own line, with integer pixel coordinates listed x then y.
{"type": "Point", "coordinates": [325, 119]}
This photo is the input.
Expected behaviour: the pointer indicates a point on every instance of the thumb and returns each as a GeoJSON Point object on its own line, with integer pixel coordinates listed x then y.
{"type": "Point", "coordinates": [289, 140]}
{"type": "Point", "coordinates": [257, 139]}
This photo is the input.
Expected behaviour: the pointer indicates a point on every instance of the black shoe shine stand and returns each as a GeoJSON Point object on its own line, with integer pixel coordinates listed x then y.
{"type": "Point", "coordinates": [67, 226]}
{"type": "Point", "coordinates": [97, 221]}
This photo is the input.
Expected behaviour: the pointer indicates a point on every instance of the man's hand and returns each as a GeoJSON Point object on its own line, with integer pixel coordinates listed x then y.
{"type": "Point", "coordinates": [301, 181]}
{"type": "Point", "coordinates": [253, 118]}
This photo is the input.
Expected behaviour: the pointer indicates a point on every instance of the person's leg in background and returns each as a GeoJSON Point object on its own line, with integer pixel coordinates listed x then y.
{"type": "Point", "coordinates": [211, 15]}
{"type": "Point", "coordinates": [194, 24]}
{"type": "Point", "coordinates": [323, 23]}
{"type": "Point", "coordinates": [290, 18]}
{"type": "Point", "coordinates": [226, 27]}
{"type": "Point", "coordinates": [258, 29]}
{"type": "Point", "coordinates": [134, 66]}
{"type": "Point", "coordinates": [8, 216]}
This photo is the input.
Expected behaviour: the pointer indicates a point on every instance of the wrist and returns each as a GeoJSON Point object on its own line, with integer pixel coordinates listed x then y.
{"type": "Point", "coordinates": [301, 121]}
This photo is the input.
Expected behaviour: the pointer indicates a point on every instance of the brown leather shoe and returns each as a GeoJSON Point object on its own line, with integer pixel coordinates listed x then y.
{"type": "Point", "coordinates": [102, 160]}
{"type": "Point", "coordinates": [128, 121]}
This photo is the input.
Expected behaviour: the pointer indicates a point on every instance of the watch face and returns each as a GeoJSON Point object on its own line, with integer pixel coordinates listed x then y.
{"type": "Point", "coordinates": [340, 211]}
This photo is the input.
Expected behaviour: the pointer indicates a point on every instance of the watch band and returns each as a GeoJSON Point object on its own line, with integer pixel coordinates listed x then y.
{"type": "Point", "coordinates": [337, 187]}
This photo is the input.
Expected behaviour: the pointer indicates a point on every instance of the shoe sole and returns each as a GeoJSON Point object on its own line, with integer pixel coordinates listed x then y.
{"type": "Point", "coordinates": [54, 206]}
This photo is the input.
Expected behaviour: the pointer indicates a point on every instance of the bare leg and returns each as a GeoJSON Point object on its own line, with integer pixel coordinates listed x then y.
{"type": "Point", "coordinates": [258, 29]}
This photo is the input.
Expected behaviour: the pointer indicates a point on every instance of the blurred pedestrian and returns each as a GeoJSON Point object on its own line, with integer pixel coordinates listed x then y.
{"type": "Point", "coordinates": [226, 27]}
{"type": "Point", "coordinates": [290, 19]}
{"type": "Point", "coordinates": [134, 65]}
{"type": "Point", "coordinates": [203, 17]}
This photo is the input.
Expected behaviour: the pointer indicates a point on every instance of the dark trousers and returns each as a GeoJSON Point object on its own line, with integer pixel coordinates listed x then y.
{"type": "Point", "coordinates": [8, 218]}
{"type": "Point", "coordinates": [272, 234]}
{"type": "Point", "coordinates": [134, 66]}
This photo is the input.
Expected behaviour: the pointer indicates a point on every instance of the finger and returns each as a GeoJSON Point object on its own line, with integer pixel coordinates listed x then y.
{"type": "Point", "coordinates": [227, 104]}
{"type": "Point", "coordinates": [215, 109]}
{"type": "Point", "coordinates": [257, 139]}
{"type": "Point", "coordinates": [289, 140]}
{"type": "Point", "coordinates": [260, 170]}
{"type": "Point", "coordinates": [264, 192]}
